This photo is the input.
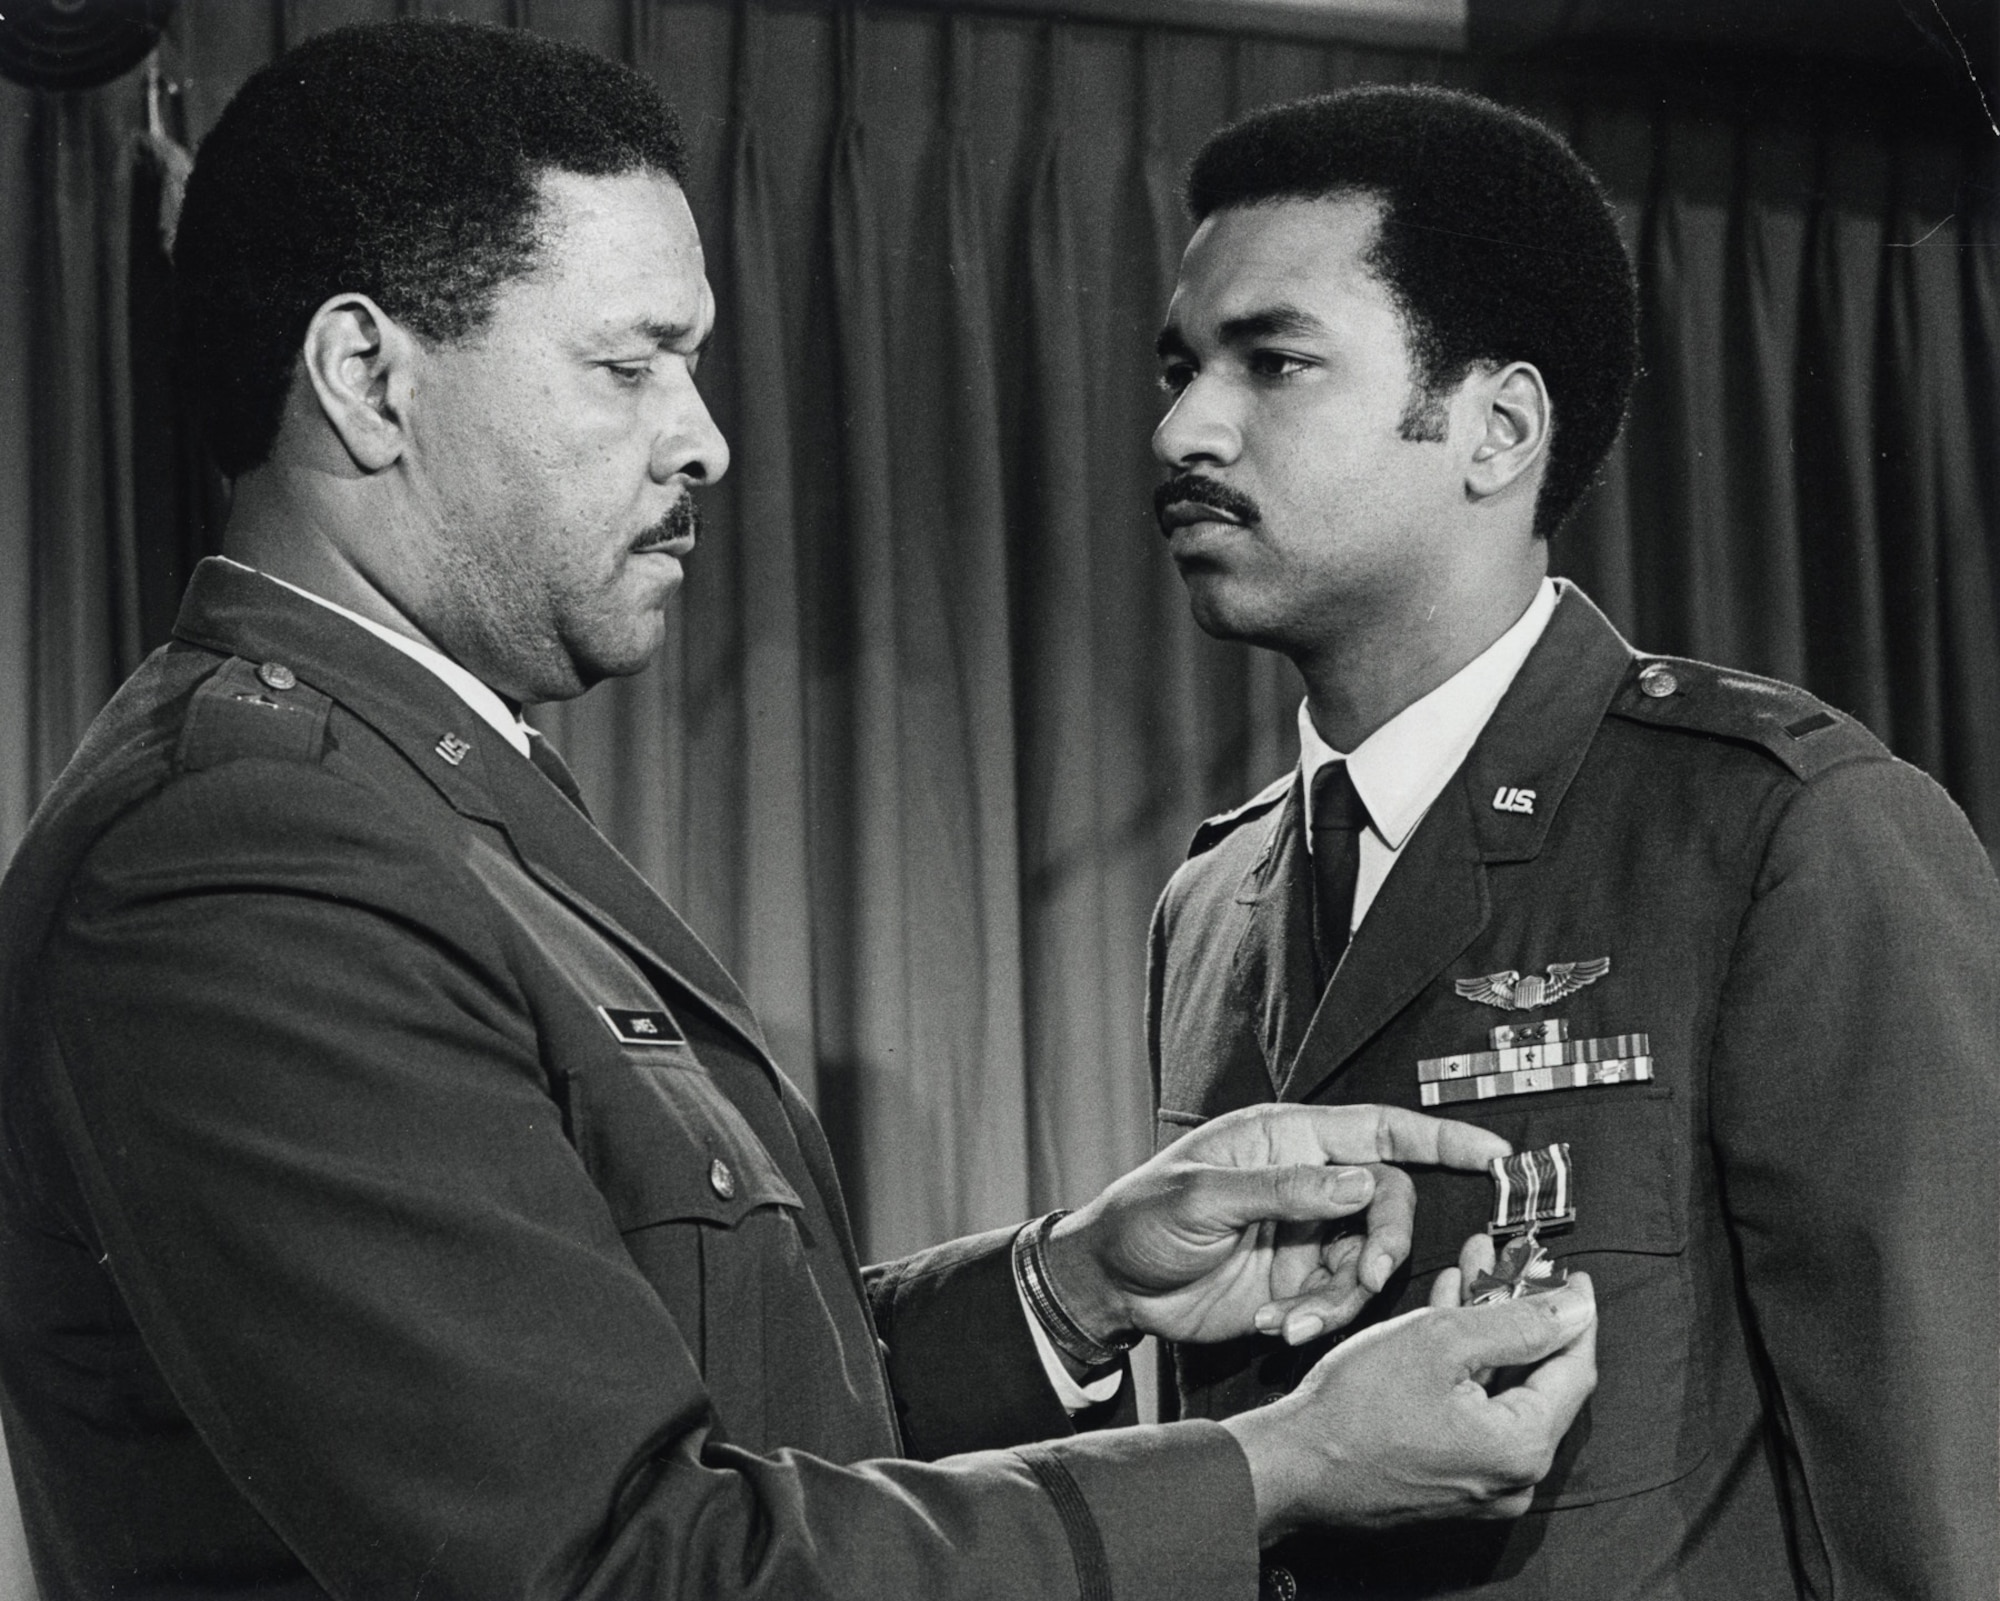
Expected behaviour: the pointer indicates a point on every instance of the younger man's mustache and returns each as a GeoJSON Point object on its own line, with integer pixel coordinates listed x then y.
{"type": "Point", "coordinates": [1202, 491]}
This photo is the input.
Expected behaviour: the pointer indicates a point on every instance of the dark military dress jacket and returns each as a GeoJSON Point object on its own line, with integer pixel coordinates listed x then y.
{"type": "Point", "coordinates": [1791, 1224]}
{"type": "Point", "coordinates": [399, 1200]}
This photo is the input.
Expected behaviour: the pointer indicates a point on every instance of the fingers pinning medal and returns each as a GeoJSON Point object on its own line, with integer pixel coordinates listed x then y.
{"type": "Point", "coordinates": [1523, 1268]}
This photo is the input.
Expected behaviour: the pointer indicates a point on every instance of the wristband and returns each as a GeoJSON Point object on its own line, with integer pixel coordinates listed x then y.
{"type": "Point", "coordinates": [1031, 1274]}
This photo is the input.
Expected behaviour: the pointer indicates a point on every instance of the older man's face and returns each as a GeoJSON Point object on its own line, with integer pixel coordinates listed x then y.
{"type": "Point", "coordinates": [1296, 503]}
{"type": "Point", "coordinates": [555, 447]}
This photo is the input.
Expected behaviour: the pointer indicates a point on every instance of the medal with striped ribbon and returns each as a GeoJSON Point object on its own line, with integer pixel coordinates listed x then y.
{"type": "Point", "coordinates": [1532, 1191]}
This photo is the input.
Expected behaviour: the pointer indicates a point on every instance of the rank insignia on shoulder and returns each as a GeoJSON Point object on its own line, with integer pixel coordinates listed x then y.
{"type": "Point", "coordinates": [1512, 991]}
{"type": "Point", "coordinates": [631, 1027]}
{"type": "Point", "coordinates": [1532, 1191]}
{"type": "Point", "coordinates": [1522, 1268]}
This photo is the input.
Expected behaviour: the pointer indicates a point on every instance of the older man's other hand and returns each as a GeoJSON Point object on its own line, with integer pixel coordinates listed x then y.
{"type": "Point", "coordinates": [1396, 1426]}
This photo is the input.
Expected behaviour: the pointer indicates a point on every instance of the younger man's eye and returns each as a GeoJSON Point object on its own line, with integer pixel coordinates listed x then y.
{"type": "Point", "coordinates": [1276, 364]}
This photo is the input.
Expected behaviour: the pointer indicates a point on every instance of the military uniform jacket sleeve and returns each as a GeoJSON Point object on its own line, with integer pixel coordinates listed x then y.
{"type": "Point", "coordinates": [1854, 1114]}
{"type": "Point", "coordinates": [398, 1203]}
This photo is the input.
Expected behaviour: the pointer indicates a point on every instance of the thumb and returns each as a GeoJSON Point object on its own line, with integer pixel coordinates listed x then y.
{"type": "Point", "coordinates": [1232, 1197]}
{"type": "Point", "coordinates": [1521, 1332]}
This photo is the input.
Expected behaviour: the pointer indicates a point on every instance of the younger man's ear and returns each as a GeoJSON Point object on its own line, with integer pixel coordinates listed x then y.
{"type": "Point", "coordinates": [361, 364]}
{"type": "Point", "coordinates": [1514, 423]}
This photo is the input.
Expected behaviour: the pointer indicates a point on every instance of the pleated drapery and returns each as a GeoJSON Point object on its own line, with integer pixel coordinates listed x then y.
{"type": "Point", "coordinates": [932, 725]}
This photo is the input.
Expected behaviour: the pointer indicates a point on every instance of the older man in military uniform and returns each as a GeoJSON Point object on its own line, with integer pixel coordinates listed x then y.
{"type": "Point", "coordinates": [1723, 970]}
{"type": "Point", "coordinates": [398, 1199]}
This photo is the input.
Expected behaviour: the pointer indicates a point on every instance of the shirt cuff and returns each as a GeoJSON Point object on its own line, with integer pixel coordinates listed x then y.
{"type": "Point", "coordinates": [1073, 1396]}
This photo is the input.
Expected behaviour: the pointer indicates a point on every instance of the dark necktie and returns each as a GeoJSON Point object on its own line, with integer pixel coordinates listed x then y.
{"type": "Point", "coordinates": [1338, 818]}
{"type": "Point", "coordinates": [555, 769]}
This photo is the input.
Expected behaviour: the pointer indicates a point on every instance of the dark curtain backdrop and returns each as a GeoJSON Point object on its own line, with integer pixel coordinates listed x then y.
{"type": "Point", "coordinates": [932, 725]}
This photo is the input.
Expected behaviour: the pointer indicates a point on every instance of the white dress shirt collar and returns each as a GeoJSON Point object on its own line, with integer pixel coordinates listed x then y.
{"type": "Point", "coordinates": [477, 696]}
{"type": "Point", "coordinates": [1401, 768]}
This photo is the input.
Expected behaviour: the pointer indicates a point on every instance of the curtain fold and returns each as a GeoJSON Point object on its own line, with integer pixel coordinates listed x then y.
{"type": "Point", "coordinates": [1077, 759]}
{"type": "Point", "coordinates": [84, 628]}
{"type": "Point", "coordinates": [21, 780]}
{"type": "Point", "coordinates": [932, 724]}
{"type": "Point", "coordinates": [1602, 546]}
{"type": "Point", "coordinates": [957, 515]}
{"type": "Point", "coordinates": [777, 953]}
{"type": "Point", "coordinates": [1953, 359]}
{"type": "Point", "coordinates": [1846, 643]}
{"type": "Point", "coordinates": [1761, 254]}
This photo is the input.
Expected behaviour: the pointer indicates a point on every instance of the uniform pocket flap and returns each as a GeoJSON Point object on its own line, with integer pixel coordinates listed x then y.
{"type": "Point", "coordinates": [1624, 1150]}
{"type": "Point", "coordinates": [663, 1143]}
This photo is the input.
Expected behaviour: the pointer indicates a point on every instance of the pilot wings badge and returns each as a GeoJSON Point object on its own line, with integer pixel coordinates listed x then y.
{"type": "Point", "coordinates": [1511, 991]}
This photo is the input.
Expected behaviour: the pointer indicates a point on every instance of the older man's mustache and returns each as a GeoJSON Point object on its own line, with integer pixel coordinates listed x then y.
{"type": "Point", "coordinates": [1197, 489]}
{"type": "Point", "coordinates": [682, 521]}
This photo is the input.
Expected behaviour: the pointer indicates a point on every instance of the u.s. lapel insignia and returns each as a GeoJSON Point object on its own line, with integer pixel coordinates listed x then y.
{"type": "Point", "coordinates": [453, 749]}
{"type": "Point", "coordinates": [1510, 798]}
{"type": "Point", "coordinates": [1513, 991]}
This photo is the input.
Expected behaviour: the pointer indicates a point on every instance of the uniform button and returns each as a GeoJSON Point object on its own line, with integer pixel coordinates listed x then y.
{"type": "Point", "coordinates": [277, 675]}
{"type": "Point", "coordinates": [720, 1179]}
{"type": "Point", "coordinates": [1279, 1585]}
{"type": "Point", "coordinates": [1658, 681]}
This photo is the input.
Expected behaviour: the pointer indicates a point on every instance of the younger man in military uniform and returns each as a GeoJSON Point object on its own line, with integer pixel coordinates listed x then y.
{"type": "Point", "coordinates": [1692, 936]}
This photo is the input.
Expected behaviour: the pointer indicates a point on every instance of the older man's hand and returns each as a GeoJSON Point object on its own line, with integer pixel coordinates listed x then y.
{"type": "Point", "coordinates": [1397, 1425]}
{"type": "Point", "coordinates": [1242, 1223]}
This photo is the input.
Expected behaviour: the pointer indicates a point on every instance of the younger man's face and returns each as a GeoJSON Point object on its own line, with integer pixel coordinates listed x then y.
{"type": "Point", "coordinates": [1295, 504]}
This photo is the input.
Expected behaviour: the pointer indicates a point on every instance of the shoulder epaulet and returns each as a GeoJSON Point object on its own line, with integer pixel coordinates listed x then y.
{"type": "Point", "coordinates": [252, 709]}
{"type": "Point", "coordinates": [1223, 824]}
{"type": "Point", "coordinates": [1800, 730]}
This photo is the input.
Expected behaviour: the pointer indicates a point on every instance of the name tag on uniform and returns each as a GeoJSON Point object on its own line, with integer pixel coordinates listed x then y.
{"type": "Point", "coordinates": [641, 1028]}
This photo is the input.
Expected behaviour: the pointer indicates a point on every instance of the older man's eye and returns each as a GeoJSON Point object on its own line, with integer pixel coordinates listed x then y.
{"type": "Point", "coordinates": [629, 373]}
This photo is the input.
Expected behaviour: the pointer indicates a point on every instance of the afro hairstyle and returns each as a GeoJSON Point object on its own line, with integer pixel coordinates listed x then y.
{"type": "Point", "coordinates": [397, 160]}
{"type": "Point", "coordinates": [1496, 243]}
